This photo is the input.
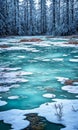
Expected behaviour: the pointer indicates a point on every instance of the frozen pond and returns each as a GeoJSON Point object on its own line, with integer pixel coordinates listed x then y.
{"type": "Point", "coordinates": [33, 73]}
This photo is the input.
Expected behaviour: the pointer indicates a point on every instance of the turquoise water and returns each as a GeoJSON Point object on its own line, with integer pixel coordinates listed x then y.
{"type": "Point", "coordinates": [29, 69]}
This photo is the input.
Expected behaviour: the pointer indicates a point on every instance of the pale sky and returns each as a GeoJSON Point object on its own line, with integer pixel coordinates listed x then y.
{"type": "Point", "coordinates": [48, 2]}
{"type": "Point", "coordinates": [20, 0]}
{"type": "Point", "coordinates": [37, 1]}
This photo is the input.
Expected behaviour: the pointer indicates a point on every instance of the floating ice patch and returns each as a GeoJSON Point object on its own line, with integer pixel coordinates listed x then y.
{"type": "Point", "coordinates": [4, 89]}
{"type": "Point", "coordinates": [48, 95]}
{"type": "Point", "coordinates": [13, 97]}
{"type": "Point", "coordinates": [75, 51]}
{"type": "Point", "coordinates": [62, 44]}
{"type": "Point", "coordinates": [46, 60]}
{"type": "Point", "coordinates": [61, 79]}
{"type": "Point", "coordinates": [76, 56]}
{"type": "Point", "coordinates": [63, 95]}
{"type": "Point", "coordinates": [56, 43]}
{"type": "Point", "coordinates": [21, 80]}
{"type": "Point", "coordinates": [60, 39]}
{"type": "Point", "coordinates": [76, 96]}
{"type": "Point", "coordinates": [9, 74]}
{"type": "Point", "coordinates": [35, 50]}
{"type": "Point", "coordinates": [10, 69]}
{"type": "Point", "coordinates": [22, 48]}
{"type": "Point", "coordinates": [73, 60]}
{"type": "Point", "coordinates": [21, 57]}
{"type": "Point", "coordinates": [15, 85]}
{"type": "Point", "coordinates": [11, 40]}
{"type": "Point", "coordinates": [32, 61]}
{"type": "Point", "coordinates": [43, 44]}
{"type": "Point", "coordinates": [21, 73]}
{"type": "Point", "coordinates": [70, 88]}
{"type": "Point", "coordinates": [57, 59]}
{"type": "Point", "coordinates": [15, 74]}
{"type": "Point", "coordinates": [2, 103]}
{"type": "Point", "coordinates": [75, 83]}
{"type": "Point", "coordinates": [65, 55]}
{"type": "Point", "coordinates": [27, 73]}
{"type": "Point", "coordinates": [14, 80]}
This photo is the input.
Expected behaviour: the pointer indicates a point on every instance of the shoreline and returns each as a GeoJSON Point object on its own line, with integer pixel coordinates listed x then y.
{"type": "Point", "coordinates": [47, 36]}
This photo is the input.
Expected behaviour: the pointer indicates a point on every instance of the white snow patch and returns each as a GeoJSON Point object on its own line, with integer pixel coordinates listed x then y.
{"type": "Point", "coordinates": [43, 44]}
{"type": "Point", "coordinates": [21, 57]}
{"type": "Point", "coordinates": [48, 95]}
{"type": "Point", "coordinates": [9, 69]}
{"type": "Point", "coordinates": [65, 55]}
{"type": "Point", "coordinates": [75, 83]}
{"type": "Point", "coordinates": [46, 60]}
{"type": "Point", "coordinates": [26, 73]}
{"type": "Point", "coordinates": [62, 44]}
{"type": "Point", "coordinates": [73, 60]}
{"type": "Point", "coordinates": [70, 88]}
{"type": "Point", "coordinates": [69, 118]}
{"type": "Point", "coordinates": [15, 118]}
{"type": "Point", "coordinates": [15, 74]}
{"type": "Point", "coordinates": [57, 59]}
{"type": "Point", "coordinates": [14, 80]}
{"type": "Point", "coordinates": [22, 48]}
{"type": "Point", "coordinates": [61, 79]}
{"type": "Point", "coordinates": [15, 86]}
{"type": "Point", "coordinates": [75, 51]}
{"type": "Point", "coordinates": [76, 56]}
{"type": "Point", "coordinates": [13, 97]}
{"type": "Point", "coordinates": [63, 95]}
{"type": "Point", "coordinates": [4, 89]}
{"type": "Point", "coordinates": [2, 103]}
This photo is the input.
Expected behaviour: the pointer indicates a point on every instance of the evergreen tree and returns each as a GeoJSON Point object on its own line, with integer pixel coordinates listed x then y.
{"type": "Point", "coordinates": [30, 17]}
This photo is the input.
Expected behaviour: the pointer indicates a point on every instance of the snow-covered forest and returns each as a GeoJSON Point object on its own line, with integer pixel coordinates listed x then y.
{"type": "Point", "coordinates": [38, 17]}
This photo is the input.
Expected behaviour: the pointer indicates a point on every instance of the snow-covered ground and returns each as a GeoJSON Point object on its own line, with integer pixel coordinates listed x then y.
{"type": "Point", "coordinates": [69, 116]}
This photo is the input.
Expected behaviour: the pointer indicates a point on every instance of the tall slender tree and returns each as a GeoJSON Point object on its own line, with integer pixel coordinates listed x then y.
{"type": "Point", "coordinates": [53, 21]}
{"type": "Point", "coordinates": [15, 9]}
{"type": "Point", "coordinates": [3, 17]}
{"type": "Point", "coordinates": [43, 16]}
{"type": "Point", "coordinates": [26, 16]}
{"type": "Point", "coordinates": [72, 10]}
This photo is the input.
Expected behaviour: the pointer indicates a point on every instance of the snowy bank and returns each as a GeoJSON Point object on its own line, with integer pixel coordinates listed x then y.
{"type": "Point", "coordinates": [69, 116]}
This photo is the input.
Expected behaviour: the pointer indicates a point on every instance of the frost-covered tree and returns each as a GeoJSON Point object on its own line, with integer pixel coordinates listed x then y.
{"type": "Point", "coordinates": [15, 11]}
{"type": "Point", "coordinates": [53, 20]}
{"type": "Point", "coordinates": [57, 10]}
{"type": "Point", "coordinates": [3, 17]}
{"type": "Point", "coordinates": [32, 17]}
{"type": "Point", "coordinates": [26, 17]}
{"type": "Point", "coordinates": [43, 16]}
{"type": "Point", "coordinates": [72, 10]}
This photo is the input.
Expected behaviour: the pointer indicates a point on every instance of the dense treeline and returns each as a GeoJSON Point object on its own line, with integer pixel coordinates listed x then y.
{"type": "Point", "coordinates": [38, 17]}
